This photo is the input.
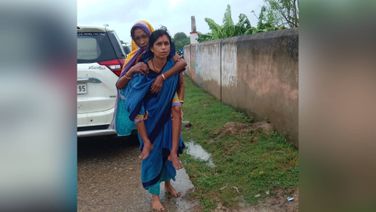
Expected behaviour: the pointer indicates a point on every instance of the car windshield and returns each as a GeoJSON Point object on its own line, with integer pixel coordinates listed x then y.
{"type": "Point", "coordinates": [94, 47]}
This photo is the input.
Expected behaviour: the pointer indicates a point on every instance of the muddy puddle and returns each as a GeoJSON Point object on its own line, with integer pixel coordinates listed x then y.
{"type": "Point", "coordinates": [183, 185]}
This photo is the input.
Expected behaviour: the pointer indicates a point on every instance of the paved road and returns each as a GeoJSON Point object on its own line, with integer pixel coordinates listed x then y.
{"type": "Point", "coordinates": [108, 178]}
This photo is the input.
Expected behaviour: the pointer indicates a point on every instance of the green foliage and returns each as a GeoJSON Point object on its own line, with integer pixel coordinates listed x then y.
{"type": "Point", "coordinates": [266, 20]}
{"type": "Point", "coordinates": [243, 26]}
{"type": "Point", "coordinates": [180, 40]}
{"type": "Point", "coordinates": [274, 15]}
{"type": "Point", "coordinates": [217, 30]}
{"type": "Point", "coordinates": [283, 13]}
{"type": "Point", "coordinates": [247, 164]}
{"type": "Point", "coordinates": [228, 24]}
{"type": "Point", "coordinates": [228, 28]}
{"type": "Point", "coordinates": [204, 37]}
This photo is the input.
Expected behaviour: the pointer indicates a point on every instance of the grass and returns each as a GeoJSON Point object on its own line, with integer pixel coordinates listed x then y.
{"type": "Point", "coordinates": [247, 165]}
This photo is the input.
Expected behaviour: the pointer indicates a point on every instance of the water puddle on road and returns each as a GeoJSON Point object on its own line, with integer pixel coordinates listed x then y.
{"type": "Point", "coordinates": [183, 185]}
{"type": "Point", "coordinates": [199, 153]}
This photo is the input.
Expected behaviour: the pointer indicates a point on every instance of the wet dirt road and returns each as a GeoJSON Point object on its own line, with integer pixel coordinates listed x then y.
{"type": "Point", "coordinates": [108, 178]}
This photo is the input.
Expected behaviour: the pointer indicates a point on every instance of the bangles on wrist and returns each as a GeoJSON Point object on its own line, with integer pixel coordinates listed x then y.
{"type": "Point", "coordinates": [127, 77]}
{"type": "Point", "coordinates": [163, 76]}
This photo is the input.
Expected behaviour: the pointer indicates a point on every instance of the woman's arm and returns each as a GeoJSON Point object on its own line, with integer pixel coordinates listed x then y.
{"type": "Point", "coordinates": [123, 81]}
{"type": "Point", "coordinates": [181, 88]}
{"type": "Point", "coordinates": [179, 66]}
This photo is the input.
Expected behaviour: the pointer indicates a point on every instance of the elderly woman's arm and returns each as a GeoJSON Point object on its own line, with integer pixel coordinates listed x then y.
{"type": "Point", "coordinates": [138, 68]}
{"type": "Point", "coordinates": [179, 66]}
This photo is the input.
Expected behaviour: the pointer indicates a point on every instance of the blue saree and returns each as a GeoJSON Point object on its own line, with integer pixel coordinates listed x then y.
{"type": "Point", "coordinates": [155, 168]}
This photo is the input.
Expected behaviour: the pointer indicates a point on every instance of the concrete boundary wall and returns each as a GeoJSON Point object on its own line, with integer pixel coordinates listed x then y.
{"type": "Point", "coordinates": [257, 74]}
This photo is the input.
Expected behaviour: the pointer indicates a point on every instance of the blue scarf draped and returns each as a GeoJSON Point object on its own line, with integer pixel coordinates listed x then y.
{"type": "Point", "coordinates": [139, 100]}
{"type": "Point", "coordinates": [120, 122]}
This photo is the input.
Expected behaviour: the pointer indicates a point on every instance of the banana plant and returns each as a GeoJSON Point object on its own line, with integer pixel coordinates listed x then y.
{"type": "Point", "coordinates": [228, 28]}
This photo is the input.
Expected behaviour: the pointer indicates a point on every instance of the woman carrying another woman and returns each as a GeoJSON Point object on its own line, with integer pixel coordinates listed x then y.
{"type": "Point", "coordinates": [152, 114]}
{"type": "Point", "coordinates": [140, 33]}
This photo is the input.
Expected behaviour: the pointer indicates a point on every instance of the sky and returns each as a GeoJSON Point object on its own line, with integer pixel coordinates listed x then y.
{"type": "Point", "coordinates": [120, 15]}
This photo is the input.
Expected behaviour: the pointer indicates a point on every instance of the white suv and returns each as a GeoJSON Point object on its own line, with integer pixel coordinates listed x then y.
{"type": "Point", "coordinates": [100, 57]}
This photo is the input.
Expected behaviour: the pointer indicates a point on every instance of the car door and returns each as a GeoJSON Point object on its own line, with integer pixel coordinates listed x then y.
{"type": "Point", "coordinates": [96, 91]}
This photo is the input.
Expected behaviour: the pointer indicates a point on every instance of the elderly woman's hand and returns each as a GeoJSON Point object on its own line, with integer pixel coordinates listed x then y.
{"type": "Point", "coordinates": [140, 67]}
{"type": "Point", "coordinates": [157, 85]}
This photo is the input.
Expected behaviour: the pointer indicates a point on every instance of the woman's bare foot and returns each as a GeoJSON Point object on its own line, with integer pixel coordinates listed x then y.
{"type": "Point", "coordinates": [171, 190]}
{"type": "Point", "coordinates": [145, 151]}
{"type": "Point", "coordinates": [156, 204]}
{"type": "Point", "coordinates": [175, 161]}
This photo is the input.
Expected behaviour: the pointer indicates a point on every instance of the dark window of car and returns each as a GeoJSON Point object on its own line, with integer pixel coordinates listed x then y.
{"type": "Point", "coordinates": [126, 49]}
{"type": "Point", "coordinates": [94, 47]}
{"type": "Point", "coordinates": [116, 44]}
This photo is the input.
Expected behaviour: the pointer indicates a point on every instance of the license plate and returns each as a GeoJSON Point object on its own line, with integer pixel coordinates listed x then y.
{"type": "Point", "coordinates": [81, 88]}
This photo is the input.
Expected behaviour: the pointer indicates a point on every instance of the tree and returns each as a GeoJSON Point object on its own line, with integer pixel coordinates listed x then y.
{"type": "Point", "coordinates": [266, 20]}
{"type": "Point", "coordinates": [283, 12]}
{"type": "Point", "coordinates": [180, 40]}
